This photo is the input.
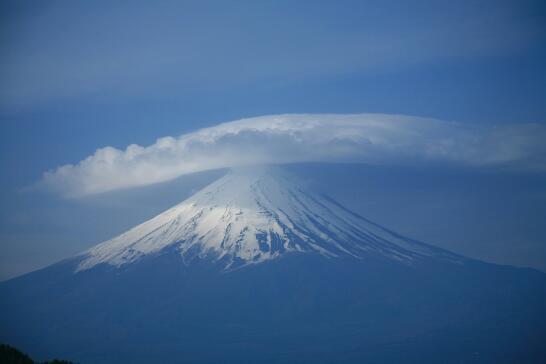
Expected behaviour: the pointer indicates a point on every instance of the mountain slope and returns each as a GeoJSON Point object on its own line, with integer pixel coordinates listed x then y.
{"type": "Point", "coordinates": [256, 269]}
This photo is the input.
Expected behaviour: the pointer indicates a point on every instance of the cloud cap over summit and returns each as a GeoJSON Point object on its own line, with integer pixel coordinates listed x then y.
{"type": "Point", "coordinates": [277, 139]}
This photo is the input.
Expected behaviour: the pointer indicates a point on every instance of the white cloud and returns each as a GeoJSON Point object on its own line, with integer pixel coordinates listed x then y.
{"type": "Point", "coordinates": [364, 138]}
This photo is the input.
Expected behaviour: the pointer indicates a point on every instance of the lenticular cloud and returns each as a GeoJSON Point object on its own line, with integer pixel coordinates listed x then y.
{"type": "Point", "coordinates": [277, 139]}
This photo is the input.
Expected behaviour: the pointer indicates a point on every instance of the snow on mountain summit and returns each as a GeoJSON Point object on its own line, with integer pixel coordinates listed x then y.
{"type": "Point", "coordinates": [252, 215]}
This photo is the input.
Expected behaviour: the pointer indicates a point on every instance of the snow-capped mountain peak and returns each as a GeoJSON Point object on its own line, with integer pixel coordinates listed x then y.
{"type": "Point", "coordinates": [252, 215]}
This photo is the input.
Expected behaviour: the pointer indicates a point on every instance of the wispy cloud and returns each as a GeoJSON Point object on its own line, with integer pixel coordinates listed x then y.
{"type": "Point", "coordinates": [67, 51]}
{"type": "Point", "coordinates": [277, 139]}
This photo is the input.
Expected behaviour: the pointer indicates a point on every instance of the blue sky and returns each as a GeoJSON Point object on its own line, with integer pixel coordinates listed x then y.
{"type": "Point", "coordinates": [77, 76]}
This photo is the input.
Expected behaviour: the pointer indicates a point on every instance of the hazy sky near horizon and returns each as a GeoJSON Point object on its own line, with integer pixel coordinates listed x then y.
{"type": "Point", "coordinates": [77, 76]}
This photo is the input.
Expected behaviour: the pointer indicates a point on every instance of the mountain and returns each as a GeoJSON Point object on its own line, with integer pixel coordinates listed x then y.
{"type": "Point", "coordinates": [250, 216]}
{"type": "Point", "coordinates": [256, 268]}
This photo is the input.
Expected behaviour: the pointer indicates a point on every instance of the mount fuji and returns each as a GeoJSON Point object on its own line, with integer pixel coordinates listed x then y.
{"type": "Point", "coordinates": [254, 215]}
{"type": "Point", "coordinates": [257, 268]}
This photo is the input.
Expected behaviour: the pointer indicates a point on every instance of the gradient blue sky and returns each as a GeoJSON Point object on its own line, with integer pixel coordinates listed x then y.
{"type": "Point", "coordinates": [76, 76]}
